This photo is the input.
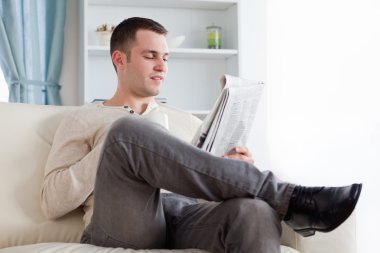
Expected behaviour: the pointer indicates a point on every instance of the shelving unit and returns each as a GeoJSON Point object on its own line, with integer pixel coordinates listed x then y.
{"type": "Point", "coordinates": [201, 53]}
{"type": "Point", "coordinates": [194, 71]}
{"type": "Point", "coordinates": [187, 4]}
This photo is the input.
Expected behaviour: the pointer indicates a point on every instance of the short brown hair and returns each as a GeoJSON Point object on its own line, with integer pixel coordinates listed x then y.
{"type": "Point", "coordinates": [125, 32]}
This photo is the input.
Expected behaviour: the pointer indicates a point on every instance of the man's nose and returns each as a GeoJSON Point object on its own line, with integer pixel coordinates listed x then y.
{"type": "Point", "coordinates": [161, 65]}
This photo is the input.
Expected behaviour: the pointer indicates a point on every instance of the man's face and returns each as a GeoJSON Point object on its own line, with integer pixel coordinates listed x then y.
{"type": "Point", "coordinates": [147, 64]}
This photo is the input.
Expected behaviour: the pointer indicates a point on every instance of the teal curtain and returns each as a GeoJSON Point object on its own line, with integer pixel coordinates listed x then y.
{"type": "Point", "coordinates": [31, 47]}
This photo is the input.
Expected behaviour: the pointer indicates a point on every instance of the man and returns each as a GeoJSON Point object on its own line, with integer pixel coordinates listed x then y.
{"type": "Point", "coordinates": [133, 159]}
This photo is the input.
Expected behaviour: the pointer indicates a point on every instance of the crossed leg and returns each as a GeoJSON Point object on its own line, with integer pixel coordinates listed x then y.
{"type": "Point", "coordinates": [139, 158]}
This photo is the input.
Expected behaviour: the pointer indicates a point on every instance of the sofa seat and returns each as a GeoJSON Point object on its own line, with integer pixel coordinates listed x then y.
{"type": "Point", "coordinates": [26, 134]}
{"type": "Point", "coordinates": [80, 248]}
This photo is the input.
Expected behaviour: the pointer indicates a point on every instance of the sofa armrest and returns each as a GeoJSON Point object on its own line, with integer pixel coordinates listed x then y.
{"type": "Point", "coordinates": [341, 240]}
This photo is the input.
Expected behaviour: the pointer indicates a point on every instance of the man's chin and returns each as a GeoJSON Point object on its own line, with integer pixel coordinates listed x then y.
{"type": "Point", "coordinates": [153, 93]}
{"type": "Point", "coordinates": [156, 92]}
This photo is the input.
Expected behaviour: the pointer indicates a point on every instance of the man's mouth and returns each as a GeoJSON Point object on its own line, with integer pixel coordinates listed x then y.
{"type": "Point", "coordinates": [157, 77]}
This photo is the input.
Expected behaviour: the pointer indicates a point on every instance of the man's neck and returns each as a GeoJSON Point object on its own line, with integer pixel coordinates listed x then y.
{"type": "Point", "coordinates": [138, 105]}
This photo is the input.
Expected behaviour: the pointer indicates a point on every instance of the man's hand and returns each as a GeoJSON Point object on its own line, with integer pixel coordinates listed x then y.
{"type": "Point", "coordinates": [240, 153]}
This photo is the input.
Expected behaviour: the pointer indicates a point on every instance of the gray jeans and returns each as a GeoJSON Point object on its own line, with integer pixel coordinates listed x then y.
{"type": "Point", "coordinates": [242, 213]}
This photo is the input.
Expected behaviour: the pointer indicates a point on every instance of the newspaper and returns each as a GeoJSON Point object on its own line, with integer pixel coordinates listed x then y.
{"type": "Point", "coordinates": [231, 118]}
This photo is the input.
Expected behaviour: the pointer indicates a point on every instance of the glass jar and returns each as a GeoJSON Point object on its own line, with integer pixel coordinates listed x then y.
{"type": "Point", "coordinates": [214, 36]}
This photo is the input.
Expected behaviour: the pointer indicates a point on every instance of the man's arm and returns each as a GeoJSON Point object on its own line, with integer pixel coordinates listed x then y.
{"type": "Point", "coordinates": [70, 169]}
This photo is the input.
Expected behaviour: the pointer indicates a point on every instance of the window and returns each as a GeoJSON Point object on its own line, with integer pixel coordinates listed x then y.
{"type": "Point", "coordinates": [4, 92]}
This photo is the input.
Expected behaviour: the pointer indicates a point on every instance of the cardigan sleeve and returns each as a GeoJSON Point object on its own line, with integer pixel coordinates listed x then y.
{"type": "Point", "coordinates": [70, 169]}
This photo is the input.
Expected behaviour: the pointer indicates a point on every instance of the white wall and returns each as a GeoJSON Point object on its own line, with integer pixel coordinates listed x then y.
{"type": "Point", "coordinates": [323, 64]}
{"type": "Point", "coordinates": [70, 65]}
{"type": "Point", "coordinates": [253, 43]}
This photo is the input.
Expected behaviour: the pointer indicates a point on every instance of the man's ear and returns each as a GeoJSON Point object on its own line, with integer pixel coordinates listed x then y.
{"type": "Point", "coordinates": [118, 58]}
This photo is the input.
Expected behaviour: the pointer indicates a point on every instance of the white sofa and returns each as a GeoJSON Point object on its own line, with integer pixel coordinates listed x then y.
{"type": "Point", "coordinates": [26, 133]}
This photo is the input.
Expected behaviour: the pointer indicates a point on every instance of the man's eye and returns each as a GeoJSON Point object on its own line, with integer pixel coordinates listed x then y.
{"type": "Point", "coordinates": [149, 56]}
{"type": "Point", "coordinates": [166, 59]}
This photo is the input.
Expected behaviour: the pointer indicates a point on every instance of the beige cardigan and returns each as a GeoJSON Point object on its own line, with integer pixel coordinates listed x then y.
{"type": "Point", "coordinates": [72, 163]}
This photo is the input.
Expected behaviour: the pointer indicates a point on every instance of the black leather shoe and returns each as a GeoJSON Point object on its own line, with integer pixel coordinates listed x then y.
{"type": "Point", "coordinates": [321, 208]}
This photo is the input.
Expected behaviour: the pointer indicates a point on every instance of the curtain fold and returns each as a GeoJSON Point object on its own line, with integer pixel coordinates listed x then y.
{"type": "Point", "coordinates": [31, 49]}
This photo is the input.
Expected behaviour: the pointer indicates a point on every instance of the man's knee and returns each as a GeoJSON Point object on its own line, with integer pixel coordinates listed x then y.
{"type": "Point", "coordinates": [125, 128]}
{"type": "Point", "coordinates": [131, 126]}
{"type": "Point", "coordinates": [121, 126]}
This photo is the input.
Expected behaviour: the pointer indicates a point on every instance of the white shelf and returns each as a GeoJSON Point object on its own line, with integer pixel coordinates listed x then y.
{"type": "Point", "coordinates": [202, 53]}
{"type": "Point", "coordinates": [189, 4]}
{"type": "Point", "coordinates": [177, 52]}
{"type": "Point", "coordinates": [199, 112]}
{"type": "Point", "coordinates": [98, 50]}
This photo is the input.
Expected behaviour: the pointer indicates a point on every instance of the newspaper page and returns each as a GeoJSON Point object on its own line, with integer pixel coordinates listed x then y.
{"type": "Point", "coordinates": [230, 121]}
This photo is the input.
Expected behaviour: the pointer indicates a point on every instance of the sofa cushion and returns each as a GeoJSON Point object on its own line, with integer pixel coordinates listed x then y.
{"type": "Point", "coordinates": [26, 133]}
{"type": "Point", "coordinates": [341, 240]}
{"type": "Point", "coordinates": [80, 248]}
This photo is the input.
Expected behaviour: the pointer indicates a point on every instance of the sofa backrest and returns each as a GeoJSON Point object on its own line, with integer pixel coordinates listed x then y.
{"type": "Point", "coordinates": [26, 134]}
